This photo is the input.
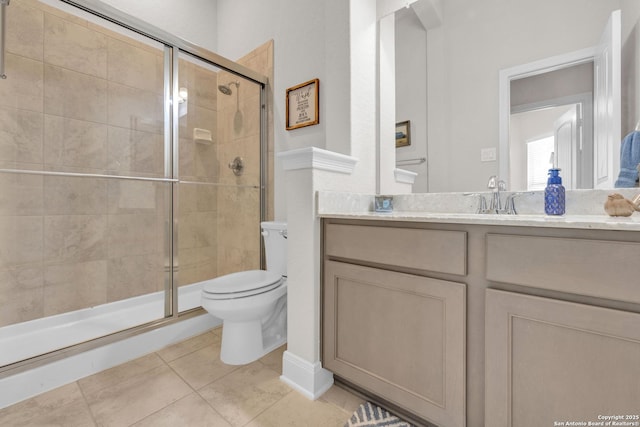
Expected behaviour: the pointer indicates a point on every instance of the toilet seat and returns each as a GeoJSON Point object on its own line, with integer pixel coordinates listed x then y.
{"type": "Point", "coordinates": [241, 284]}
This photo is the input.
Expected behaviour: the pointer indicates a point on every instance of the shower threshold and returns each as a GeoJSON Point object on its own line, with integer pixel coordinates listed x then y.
{"type": "Point", "coordinates": [33, 338]}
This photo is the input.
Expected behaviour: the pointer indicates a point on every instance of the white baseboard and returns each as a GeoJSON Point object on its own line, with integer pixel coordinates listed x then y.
{"type": "Point", "coordinates": [24, 385]}
{"type": "Point", "coordinates": [310, 379]}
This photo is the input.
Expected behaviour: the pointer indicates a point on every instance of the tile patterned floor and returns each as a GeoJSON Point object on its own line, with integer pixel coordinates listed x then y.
{"type": "Point", "coordinates": [185, 384]}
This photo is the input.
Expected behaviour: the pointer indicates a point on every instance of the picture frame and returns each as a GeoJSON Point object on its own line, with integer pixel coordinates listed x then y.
{"type": "Point", "coordinates": [303, 105]}
{"type": "Point", "coordinates": [403, 134]}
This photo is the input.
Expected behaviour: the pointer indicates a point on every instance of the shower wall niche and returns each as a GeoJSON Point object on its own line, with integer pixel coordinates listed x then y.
{"type": "Point", "coordinates": [102, 201]}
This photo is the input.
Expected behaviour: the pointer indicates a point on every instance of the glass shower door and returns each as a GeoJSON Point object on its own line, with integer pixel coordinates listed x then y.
{"type": "Point", "coordinates": [130, 172]}
{"type": "Point", "coordinates": [83, 186]}
{"type": "Point", "coordinates": [219, 167]}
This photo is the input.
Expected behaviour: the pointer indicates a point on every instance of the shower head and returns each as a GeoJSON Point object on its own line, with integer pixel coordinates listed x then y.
{"type": "Point", "coordinates": [226, 89]}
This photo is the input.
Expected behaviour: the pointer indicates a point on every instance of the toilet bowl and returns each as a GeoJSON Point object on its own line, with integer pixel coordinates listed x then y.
{"type": "Point", "coordinates": [252, 304]}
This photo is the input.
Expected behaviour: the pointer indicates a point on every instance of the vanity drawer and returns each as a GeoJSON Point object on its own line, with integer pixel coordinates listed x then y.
{"type": "Point", "coordinates": [433, 250]}
{"type": "Point", "coordinates": [597, 268]}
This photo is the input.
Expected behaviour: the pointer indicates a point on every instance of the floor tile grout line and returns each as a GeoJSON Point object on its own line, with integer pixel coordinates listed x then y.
{"type": "Point", "coordinates": [197, 390]}
{"type": "Point", "coordinates": [221, 377]}
{"type": "Point", "coordinates": [167, 363]}
{"type": "Point", "coordinates": [267, 408]}
{"type": "Point", "coordinates": [128, 378]}
{"type": "Point", "coordinates": [86, 402]}
{"type": "Point", "coordinates": [263, 364]}
{"type": "Point", "coordinates": [161, 365]}
{"type": "Point", "coordinates": [190, 352]}
{"type": "Point", "coordinates": [209, 403]}
{"type": "Point", "coordinates": [160, 409]}
{"type": "Point", "coordinates": [214, 409]}
{"type": "Point", "coordinates": [39, 412]}
{"type": "Point", "coordinates": [183, 379]}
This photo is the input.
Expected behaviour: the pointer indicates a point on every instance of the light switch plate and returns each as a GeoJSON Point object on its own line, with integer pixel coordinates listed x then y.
{"type": "Point", "coordinates": [488, 154]}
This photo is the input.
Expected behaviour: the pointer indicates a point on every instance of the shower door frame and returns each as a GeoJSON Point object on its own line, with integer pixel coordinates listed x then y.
{"type": "Point", "coordinates": [173, 45]}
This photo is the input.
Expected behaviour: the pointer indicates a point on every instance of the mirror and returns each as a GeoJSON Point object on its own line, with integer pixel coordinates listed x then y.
{"type": "Point", "coordinates": [466, 49]}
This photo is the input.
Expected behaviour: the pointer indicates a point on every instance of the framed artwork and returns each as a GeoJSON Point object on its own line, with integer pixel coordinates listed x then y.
{"type": "Point", "coordinates": [403, 134]}
{"type": "Point", "coordinates": [303, 105]}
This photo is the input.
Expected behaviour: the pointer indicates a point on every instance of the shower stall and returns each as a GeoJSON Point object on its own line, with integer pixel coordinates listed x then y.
{"type": "Point", "coordinates": [133, 166]}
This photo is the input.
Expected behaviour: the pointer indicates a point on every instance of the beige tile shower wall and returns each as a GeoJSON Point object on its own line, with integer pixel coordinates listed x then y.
{"type": "Point", "coordinates": [261, 60]}
{"type": "Point", "coordinates": [198, 163]}
{"type": "Point", "coordinates": [197, 242]}
{"type": "Point", "coordinates": [239, 199]}
{"type": "Point", "coordinates": [238, 229]}
{"type": "Point", "coordinates": [218, 225]}
{"type": "Point", "coordinates": [78, 98]}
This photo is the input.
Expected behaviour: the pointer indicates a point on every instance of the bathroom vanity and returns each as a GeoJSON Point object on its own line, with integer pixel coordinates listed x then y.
{"type": "Point", "coordinates": [470, 320]}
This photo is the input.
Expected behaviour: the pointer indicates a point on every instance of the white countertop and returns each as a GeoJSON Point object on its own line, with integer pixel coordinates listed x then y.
{"type": "Point", "coordinates": [595, 222]}
{"type": "Point", "coordinates": [586, 211]}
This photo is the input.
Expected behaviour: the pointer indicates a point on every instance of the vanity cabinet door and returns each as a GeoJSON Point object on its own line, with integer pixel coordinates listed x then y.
{"type": "Point", "coordinates": [399, 336]}
{"type": "Point", "coordinates": [551, 361]}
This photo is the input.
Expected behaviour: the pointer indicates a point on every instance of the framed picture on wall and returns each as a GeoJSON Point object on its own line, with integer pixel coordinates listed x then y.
{"type": "Point", "coordinates": [403, 134]}
{"type": "Point", "coordinates": [303, 105]}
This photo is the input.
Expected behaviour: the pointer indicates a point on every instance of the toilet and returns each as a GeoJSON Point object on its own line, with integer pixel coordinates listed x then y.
{"type": "Point", "coordinates": [252, 304]}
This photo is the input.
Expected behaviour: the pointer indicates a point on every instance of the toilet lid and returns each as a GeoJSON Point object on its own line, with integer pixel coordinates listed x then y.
{"type": "Point", "coordinates": [243, 283]}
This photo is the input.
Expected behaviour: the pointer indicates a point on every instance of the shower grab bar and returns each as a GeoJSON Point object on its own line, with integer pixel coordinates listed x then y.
{"type": "Point", "coordinates": [416, 161]}
{"type": "Point", "coordinates": [87, 175]}
{"type": "Point", "coordinates": [3, 22]}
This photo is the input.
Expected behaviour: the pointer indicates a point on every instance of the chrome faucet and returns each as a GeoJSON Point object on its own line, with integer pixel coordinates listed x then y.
{"type": "Point", "coordinates": [496, 185]}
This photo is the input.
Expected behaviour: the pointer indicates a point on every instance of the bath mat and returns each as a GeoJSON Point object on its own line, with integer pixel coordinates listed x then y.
{"type": "Point", "coordinates": [370, 415]}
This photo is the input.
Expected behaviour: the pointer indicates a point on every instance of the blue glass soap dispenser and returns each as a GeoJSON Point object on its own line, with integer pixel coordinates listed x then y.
{"type": "Point", "coordinates": [554, 194]}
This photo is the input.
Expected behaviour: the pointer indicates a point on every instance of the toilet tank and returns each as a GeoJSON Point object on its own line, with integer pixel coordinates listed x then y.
{"type": "Point", "coordinates": [275, 245]}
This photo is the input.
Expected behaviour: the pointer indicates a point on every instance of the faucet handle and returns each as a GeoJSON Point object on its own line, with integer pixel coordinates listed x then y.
{"type": "Point", "coordinates": [502, 185]}
{"type": "Point", "coordinates": [510, 204]}
{"type": "Point", "coordinates": [482, 202]}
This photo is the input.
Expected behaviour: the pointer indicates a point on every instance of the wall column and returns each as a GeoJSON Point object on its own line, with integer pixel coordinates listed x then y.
{"type": "Point", "coordinates": [308, 170]}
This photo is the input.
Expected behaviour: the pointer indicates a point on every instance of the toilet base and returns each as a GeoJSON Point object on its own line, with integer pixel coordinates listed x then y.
{"type": "Point", "coordinates": [241, 352]}
{"type": "Point", "coordinates": [246, 342]}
